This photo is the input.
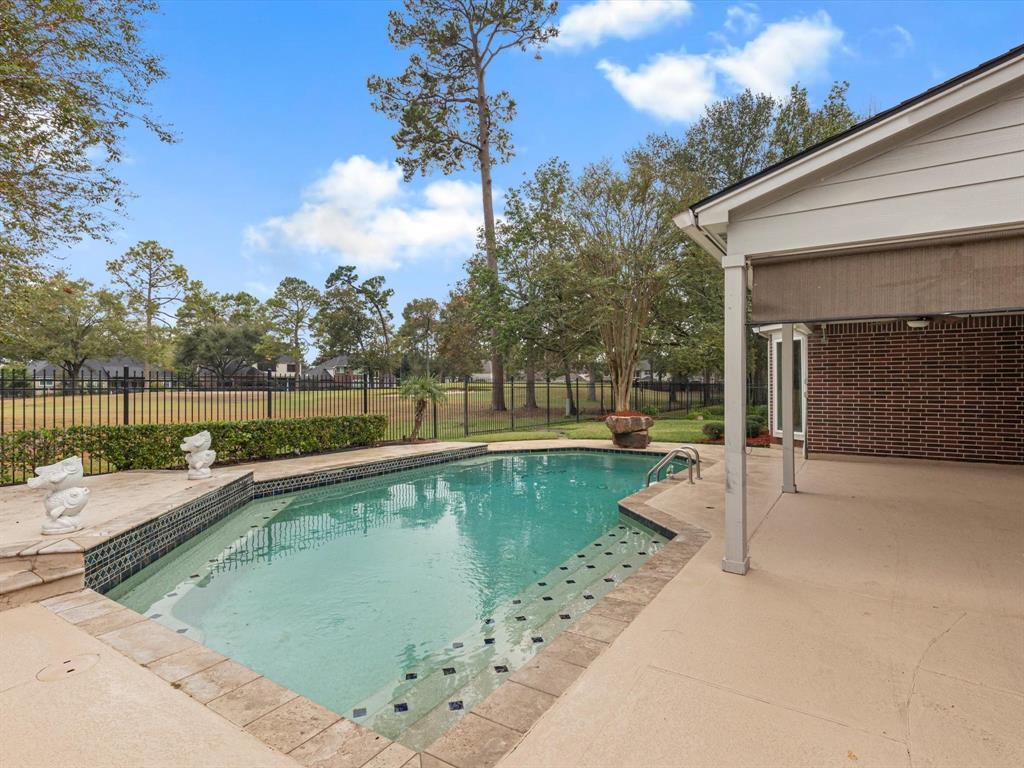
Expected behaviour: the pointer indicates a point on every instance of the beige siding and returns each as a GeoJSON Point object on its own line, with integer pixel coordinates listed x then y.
{"type": "Point", "coordinates": [968, 173]}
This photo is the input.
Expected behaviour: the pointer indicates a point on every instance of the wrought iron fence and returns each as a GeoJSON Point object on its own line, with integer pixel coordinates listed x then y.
{"type": "Point", "coordinates": [31, 400]}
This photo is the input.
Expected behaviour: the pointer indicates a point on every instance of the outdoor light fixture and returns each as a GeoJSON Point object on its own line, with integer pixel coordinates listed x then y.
{"type": "Point", "coordinates": [921, 322]}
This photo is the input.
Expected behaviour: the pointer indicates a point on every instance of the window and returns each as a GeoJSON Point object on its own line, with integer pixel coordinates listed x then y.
{"type": "Point", "coordinates": [798, 383]}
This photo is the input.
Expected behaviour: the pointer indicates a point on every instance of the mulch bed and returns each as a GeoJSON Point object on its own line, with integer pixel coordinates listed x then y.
{"type": "Point", "coordinates": [761, 441]}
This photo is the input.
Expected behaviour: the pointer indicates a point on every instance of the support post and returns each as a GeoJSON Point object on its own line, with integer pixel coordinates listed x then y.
{"type": "Point", "coordinates": [736, 559]}
{"type": "Point", "coordinates": [785, 374]}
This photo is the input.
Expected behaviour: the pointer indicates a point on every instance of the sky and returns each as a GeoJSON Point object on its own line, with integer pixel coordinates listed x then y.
{"type": "Point", "coordinates": [283, 168]}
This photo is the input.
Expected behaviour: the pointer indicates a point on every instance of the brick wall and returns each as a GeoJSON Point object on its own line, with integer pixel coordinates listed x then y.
{"type": "Point", "coordinates": [952, 391]}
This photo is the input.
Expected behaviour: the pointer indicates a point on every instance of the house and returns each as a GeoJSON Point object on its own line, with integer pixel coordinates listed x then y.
{"type": "Point", "coordinates": [336, 368]}
{"type": "Point", "coordinates": [111, 371]}
{"type": "Point", "coordinates": [887, 266]}
{"type": "Point", "coordinates": [281, 367]}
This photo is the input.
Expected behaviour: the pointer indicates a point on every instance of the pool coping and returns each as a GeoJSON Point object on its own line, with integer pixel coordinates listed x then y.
{"type": "Point", "coordinates": [295, 725]}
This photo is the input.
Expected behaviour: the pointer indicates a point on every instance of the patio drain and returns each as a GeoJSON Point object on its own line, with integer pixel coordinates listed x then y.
{"type": "Point", "coordinates": [67, 668]}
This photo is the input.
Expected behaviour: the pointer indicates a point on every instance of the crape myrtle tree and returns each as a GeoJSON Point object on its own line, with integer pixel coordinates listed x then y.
{"type": "Point", "coordinates": [447, 114]}
{"type": "Point", "coordinates": [74, 74]}
{"type": "Point", "coordinates": [627, 251]}
{"type": "Point", "coordinates": [151, 284]}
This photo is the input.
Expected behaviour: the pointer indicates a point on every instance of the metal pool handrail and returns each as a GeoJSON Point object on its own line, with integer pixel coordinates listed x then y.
{"type": "Point", "coordinates": [691, 455]}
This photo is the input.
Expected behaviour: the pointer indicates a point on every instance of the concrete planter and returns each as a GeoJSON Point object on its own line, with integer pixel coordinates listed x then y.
{"type": "Point", "coordinates": [629, 431]}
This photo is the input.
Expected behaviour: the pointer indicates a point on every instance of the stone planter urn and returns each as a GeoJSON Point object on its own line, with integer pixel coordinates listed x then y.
{"type": "Point", "coordinates": [629, 430]}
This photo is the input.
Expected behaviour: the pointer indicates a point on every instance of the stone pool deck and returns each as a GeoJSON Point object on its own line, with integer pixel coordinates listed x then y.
{"type": "Point", "coordinates": [882, 624]}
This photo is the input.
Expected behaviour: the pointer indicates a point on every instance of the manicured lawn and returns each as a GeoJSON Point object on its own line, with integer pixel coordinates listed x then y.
{"type": "Point", "coordinates": [667, 429]}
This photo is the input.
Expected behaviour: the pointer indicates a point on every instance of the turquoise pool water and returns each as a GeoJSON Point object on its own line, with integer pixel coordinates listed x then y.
{"type": "Point", "coordinates": [390, 598]}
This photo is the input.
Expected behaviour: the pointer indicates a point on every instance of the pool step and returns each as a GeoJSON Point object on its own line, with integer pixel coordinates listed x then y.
{"type": "Point", "coordinates": [414, 710]}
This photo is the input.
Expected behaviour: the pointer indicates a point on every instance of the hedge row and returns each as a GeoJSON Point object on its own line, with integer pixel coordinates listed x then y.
{"type": "Point", "coordinates": [155, 446]}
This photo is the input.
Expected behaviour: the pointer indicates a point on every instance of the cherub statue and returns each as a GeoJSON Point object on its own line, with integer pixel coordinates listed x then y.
{"type": "Point", "coordinates": [198, 455]}
{"type": "Point", "coordinates": [62, 509]}
{"type": "Point", "coordinates": [66, 499]}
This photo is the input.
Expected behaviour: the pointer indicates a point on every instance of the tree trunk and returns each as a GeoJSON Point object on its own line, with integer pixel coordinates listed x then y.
{"type": "Point", "coordinates": [421, 409]}
{"type": "Point", "coordinates": [531, 388]}
{"type": "Point", "coordinates": [484, 158]}
{"type": "Point", "coordinates": [569, 395]}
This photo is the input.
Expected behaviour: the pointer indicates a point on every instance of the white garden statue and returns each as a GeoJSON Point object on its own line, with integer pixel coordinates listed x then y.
{"type": "Point", "coordinates": [66, 499]}
{"type": "Point", "coordinates": [198, 455]}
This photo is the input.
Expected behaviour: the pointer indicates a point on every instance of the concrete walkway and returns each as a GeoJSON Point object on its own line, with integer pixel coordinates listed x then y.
{"type": "Point", "coordinates": [882, 624]}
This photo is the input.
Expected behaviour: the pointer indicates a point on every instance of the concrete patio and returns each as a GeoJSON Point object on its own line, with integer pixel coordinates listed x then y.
{"type": "Point", "coordinates": [881, 623]}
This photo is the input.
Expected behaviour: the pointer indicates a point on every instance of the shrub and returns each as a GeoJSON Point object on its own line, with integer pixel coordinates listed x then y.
{"type": "Point", "coordinates": [760, 411]}
{"type": "Point", "coordinates": [155, 446]}
{"type": "Point", "coordinates": [715, 410]}
{"type": "Point", "coordinates": [713, 430]}
{"type": "Point", "coordinates": [649, 410]}
{"type": "Point", "coordinates": [754, 427]}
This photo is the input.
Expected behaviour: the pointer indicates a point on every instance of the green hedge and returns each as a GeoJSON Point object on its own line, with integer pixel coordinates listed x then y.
{"type": "Point", "coordinates": [155, 446]}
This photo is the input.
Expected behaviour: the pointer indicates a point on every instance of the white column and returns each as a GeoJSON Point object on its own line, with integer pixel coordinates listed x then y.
{"type": "Point", "coordinates": [736, 559]}
{"type": "Point", "coordinates": [785, 374]}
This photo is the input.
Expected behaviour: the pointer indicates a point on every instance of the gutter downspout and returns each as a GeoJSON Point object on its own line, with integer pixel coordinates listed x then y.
{"type": "Point", "coordinates": [689, 222]}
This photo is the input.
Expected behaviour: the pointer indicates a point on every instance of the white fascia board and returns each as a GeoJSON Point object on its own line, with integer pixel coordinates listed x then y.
{"type": "Point", "coordinates": [716, 212]}
{"type": "Point", "coordinates": [687, 222]}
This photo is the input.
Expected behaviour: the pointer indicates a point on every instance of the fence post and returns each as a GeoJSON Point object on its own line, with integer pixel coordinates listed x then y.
{"type": "Point", "coordinates": [465, 406]}
{"type": "Point", "coordinates": [124, 394]}
{"type": "Point", "coordinates": [578, 405]}
{"type": "Point", "coordinates": [269, 396]}
{"type": "Point", "coordinates": [512, 400]}
{"type": "Point", "coordinates": [366, 392]}
{"type": "Point", "coordinates": [548, 390]}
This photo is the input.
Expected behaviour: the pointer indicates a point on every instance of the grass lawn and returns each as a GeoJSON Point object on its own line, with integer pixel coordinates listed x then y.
{"type": "Point", "coordinates": [668, 429]}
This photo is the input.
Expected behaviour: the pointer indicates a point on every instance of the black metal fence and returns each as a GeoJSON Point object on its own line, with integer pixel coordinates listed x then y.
{"type": "Point", "coordinates": [32, 401]}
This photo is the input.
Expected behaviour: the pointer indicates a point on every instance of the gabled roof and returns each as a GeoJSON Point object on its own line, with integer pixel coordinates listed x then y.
{"type": "Point", "coordinates": [907, 115]}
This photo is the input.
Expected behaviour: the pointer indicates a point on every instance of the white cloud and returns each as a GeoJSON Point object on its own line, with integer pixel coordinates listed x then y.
{"type": "Point", "coordinates": [678, 86]}
{"type": "Point", "coordinates": [901, 42]}
{"type": "Point", "coordinates": [361, 213]}
{"type": "Point", "coordinates": [586, 25]}
{"type": "Point", "coordinates": [672, 87]}
{"type": "Point", "coordinates": [782, 53]}
{"type": "Point", "coordinates": [742, 19]}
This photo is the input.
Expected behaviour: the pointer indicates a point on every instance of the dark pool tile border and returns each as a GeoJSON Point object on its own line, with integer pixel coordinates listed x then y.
{"type": "Point", "coordinates": [121, 556]}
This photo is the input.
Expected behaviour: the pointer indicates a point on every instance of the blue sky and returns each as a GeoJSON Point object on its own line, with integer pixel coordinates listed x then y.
{"type": "Point", "coordinates": [284, 169]}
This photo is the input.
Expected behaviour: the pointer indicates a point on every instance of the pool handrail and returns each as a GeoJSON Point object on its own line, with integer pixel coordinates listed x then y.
{"type": "Point", "coordinates": [691, 455]}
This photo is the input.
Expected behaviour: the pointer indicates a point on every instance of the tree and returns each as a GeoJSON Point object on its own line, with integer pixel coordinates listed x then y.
{"type": "Point", "coordinates": [445, 112]}
{"type": "Point", "coordinates": [532, 302]}
{"type": "Point", "coordinates": [422, 390]}
{"type": "Point", "coordinates": [418, 334]}
{"type": "Point", "coordinates": [66, 322]}
{"type": "Point", "coordinates": [628, 250]}
{"type": "Point", "coordinates": [201, 307]}
{"type": "Point", "coordinates": [151, 282]}
{"type": "Point", "coordinates": [289, 311]}
{"type": "Point", "coordinates": [354, 319]}
{"type": "Point", "coordinates": [74, 75]}
{"type": "Point", "coordinates": [222, 349]}
{"type": "Point", "coordinates": [459, 340]}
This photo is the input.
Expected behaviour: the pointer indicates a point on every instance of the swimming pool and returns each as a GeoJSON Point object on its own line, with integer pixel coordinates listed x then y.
{"type": "Point", "coordinates": [402, 601]}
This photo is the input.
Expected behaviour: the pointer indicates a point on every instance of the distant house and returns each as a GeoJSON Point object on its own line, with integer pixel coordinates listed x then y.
{"type": "Point", "coordinates": [281, 367]}
{"type": "Point", "coordinates": [336, 368]}
{"type": "Point", "coordinates": [110, 371]}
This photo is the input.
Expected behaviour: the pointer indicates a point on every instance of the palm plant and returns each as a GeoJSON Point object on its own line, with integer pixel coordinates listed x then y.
{"type": "Point", "coordinates": [422, 390]}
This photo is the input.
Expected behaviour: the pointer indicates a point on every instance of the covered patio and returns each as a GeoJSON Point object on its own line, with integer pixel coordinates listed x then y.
{"type": "Point", "coordinates": [904, 236]}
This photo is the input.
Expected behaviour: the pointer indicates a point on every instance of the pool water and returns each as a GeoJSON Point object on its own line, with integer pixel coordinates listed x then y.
{"type": "Point", "coordinates": [401, 601]}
